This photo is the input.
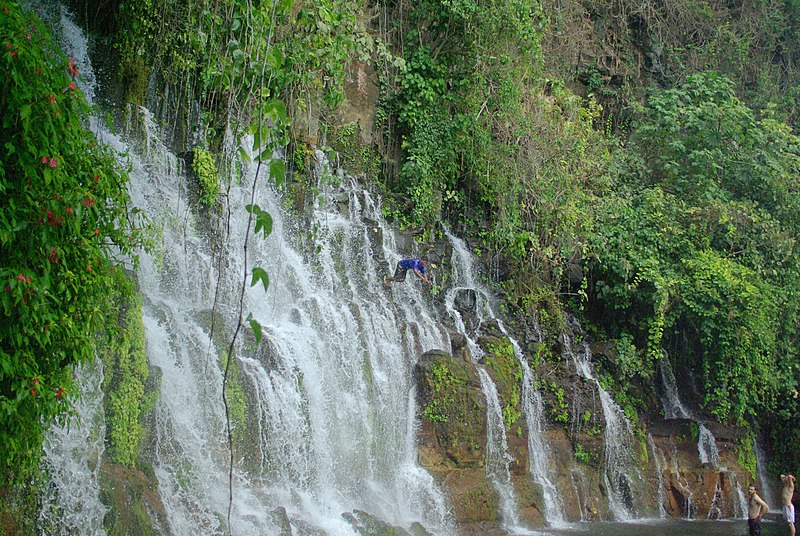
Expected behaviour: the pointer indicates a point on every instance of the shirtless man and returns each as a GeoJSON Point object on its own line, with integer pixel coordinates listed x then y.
{"type": "Point", "coordinates": [756, 508]}
{"type": "Point", "coordinates": [786, 501]}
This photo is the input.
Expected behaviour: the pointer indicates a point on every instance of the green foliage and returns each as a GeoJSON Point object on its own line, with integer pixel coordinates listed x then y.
{"type": "Point", "coordinates": [480, 134]}
{"type": "Point", "coordinates": [236, 399]}
{"type": "Point", "coordinates": [559, 410]}
{"type": "Point", "coordinates": [581, 455]}
{"type": "Point", "coordinates": [700, 253]}
{"type": "Point", "coordinates": [444, 383]}
{"type": "Point", "coordinates": [746, 455]}
{"type": "Point", "coordinates": [206, 172]}
{"type": "Point", "coordinates": [508, 375]}
{"type": "Point", "coordinates": [65, 210]}
{"type": "Point", "coordinates": [125, 365]}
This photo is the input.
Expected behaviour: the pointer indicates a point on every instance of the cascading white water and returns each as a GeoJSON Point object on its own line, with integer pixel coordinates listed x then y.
{"type": "Point", "coordinates": [539, 455]}
{"type": "Point", "coordinates": [707, 446]}
{"type": "Point", "coordinates": [581, 496]}
{"type": "Point", "coordinates": [328, 434]}
{"type": "Point", "coordinates": [670, 399]}
{"type": "Point", "coordinates": [763, 477]}
{"type": "Point", "coordinates": [707, 450]}
{"type": "Point", "coordinates": [709, 454]}
{"type": "Point", "coordinates": [658, 460]}
{"type": "Point", "coordinates": [497, 458]}
{"type": "Point", "coordinates": [337, 356]}
{"type": "Point", "coordinates": [539, 451]}
{"type": "Point", "coordinates": [620, 473]}
{"type": "Point", "coordinates": [71, 502]}
{"type": "Point", "coordinates": [683, 483]}
{"type": "Point", "coordinates": [531, 399]}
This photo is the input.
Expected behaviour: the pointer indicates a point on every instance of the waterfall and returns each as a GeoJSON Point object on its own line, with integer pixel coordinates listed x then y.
{"type": "Point", "coordinates": [684, 484]}
{"type": "Point", "coordinates": [337, 356]}
{"type": "Point", "coordinates": [497, 457]}
{"type": "Point", "coordinates": [620, 472]}
{"type": "Point", "coordinates": [539, 453]}
{"type": "Point", "coordinates": [581, 495]}
{"type": "Point", "coordinates": [763, 476]}
{"type": "Point", "coordinates": [531, 400]}
{"type": "Point", "coordinates": [326, 434]}
{"type": "Point", "coordinates": [740, 502]}
{"type": "Point", "coordinates": [670, 399]}
{"type": "Point", "coordinates": [715, 510]}
{"type": "Point", "coordinates": [72, 452]}
{"type": "Point", "coordinates": [709, 454]}
{"type": "Point", "coordinates": [706, 443]}
{"type": "Point", "coordinates": [658, 460]}
{"type": "Point", "coordinates": [707, 446]}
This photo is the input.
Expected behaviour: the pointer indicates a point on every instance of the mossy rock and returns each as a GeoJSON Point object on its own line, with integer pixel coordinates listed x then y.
{"type": "Point", "coordinates": [368, 525]}
{"type": "Point", "coordinates": [134, 503]}
{"type": "Point", "coordinates": [453, 410]}
{"type": "Point", "coordinates": [475, 501]}
{"type": "Point", "coordinates": [416, 529]}
{"type": "Point", "coordinates": [280, 517]}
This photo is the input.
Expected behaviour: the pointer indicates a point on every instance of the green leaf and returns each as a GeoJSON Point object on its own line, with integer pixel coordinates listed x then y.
{"type": "Point", "coordinates": [259, 274]}
{"type": "Point", "coordinates": [256, 327]}
{"type": "Point", "coordinates": [277, 170]}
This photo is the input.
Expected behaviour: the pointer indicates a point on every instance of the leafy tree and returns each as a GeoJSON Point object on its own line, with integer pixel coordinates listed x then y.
{"type": "Point", "coordinates": [702, 260]}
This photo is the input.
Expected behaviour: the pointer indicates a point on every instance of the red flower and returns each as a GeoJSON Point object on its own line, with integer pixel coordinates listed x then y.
{"type": "Point", "coordinates": [71, 85]}
{"type": "Point", "coordinates": [97, 232]}
{"type": "Point", "coordinates": [59, 392]}
{"type": "Point", "coordinates": [45, 160]}
{"type": "Point", "coordinates": [89, 268]}
{"type": "Point", "coordinates": [96, 178]}
{"type": "Point", "coordinates": [69, 210]}
{"type": "Point", "coordinates": [21, 277]}
{"type": "Point", "coordinates": [28, 36]}
{"type": "Point", "coordinates": [73, 70]}
{"type": "Point", "coordinates": [89, 202]}
{"type": "Point", "coordinates": [8, 45]}
{"type": "Point", "coordinates": [38, 72]}
{"type": "Point", "coordinates": [5, 10]}
{"type": "Point", "coordinates": [52, 99]}
{"type": "Point", "coordinates": [8, 288]}
{"type": "Point", "coordinates": [53, 162]}
{"type": "Point", "coordinates": [33, 392]}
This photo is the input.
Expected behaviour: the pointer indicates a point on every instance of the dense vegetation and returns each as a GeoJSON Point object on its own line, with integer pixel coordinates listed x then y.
{"type": "Point", "coordinates": [65, 228]}
{"type": "Point", "coordinates": [665, 215]}
{"type": "Point", "coordinates": [633, 161]}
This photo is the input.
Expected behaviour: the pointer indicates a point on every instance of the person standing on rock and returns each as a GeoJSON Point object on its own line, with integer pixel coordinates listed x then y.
{"type": "Point", "coordinates": [419, 266]}
{"type": "Point", "coordinates": [756, 508]}
{"type": "Point", "coordinates": [786, 499]}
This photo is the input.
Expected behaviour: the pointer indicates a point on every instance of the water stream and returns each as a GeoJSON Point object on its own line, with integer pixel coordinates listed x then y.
{"type": "Point", "coordinates": [72, 452]}
{"type": "Point", "coordinates": [658, 461]}
{"type": "Point", "coordinates": [707, 450]}
{"type": "Point", "coordinates": [621, 477]}
{"type": "Point", "coordinates": [531, 399]}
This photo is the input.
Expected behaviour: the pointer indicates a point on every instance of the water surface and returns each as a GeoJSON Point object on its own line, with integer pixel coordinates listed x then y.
{"type": "Point", "coordinates": [656, 527]}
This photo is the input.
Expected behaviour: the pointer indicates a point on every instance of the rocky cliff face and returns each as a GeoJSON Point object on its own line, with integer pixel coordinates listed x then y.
{"type": "Point", "coordinates": [679, 468]}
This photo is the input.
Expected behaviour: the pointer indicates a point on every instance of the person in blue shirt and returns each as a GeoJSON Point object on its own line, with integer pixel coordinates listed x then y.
{"type": "Point", "coordinates": [419, 266]}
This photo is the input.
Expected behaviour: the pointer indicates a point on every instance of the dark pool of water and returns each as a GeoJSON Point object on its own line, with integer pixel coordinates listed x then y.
{"type": "Point", "coordinates": [770, 527]}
